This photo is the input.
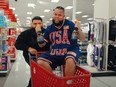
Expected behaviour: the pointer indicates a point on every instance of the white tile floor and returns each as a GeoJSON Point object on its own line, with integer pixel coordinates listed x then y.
{"type": "Point", "coordinates": [20, 74]}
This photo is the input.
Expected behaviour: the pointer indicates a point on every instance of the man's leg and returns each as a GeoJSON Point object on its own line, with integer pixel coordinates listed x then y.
{"type": "Point", "coordinates": [45, 64]}
{"type": "Point", "coordinates": [70, 67]}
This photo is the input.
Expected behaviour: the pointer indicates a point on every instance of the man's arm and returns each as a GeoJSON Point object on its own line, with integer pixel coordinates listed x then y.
{"type": "Point", "coordinates": [22, 44]}
{"type": "Point", "coordinates": [80, 34]}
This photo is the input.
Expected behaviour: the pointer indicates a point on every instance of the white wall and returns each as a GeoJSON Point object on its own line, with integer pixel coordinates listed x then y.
{"type": "Point", "coordinates": [101, 9]}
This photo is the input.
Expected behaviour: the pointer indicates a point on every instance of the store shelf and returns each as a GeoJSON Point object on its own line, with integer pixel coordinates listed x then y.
{"type": "Point", "coordinates": [4, 73]}
{"type": "Point", "coordinates": [12, 59]}
{"type": "Point", "coordinates": [95, 73]}
{"type": "Point", "coordinates": [11, 36]}
{"type": "Point", "coordinates": [10, 54]}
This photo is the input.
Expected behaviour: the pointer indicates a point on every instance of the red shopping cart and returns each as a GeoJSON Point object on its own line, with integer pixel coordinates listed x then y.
{"type": "Point", "coordinates": [43, 78]}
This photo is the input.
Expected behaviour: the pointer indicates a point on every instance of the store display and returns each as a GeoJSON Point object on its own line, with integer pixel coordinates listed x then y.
{"type": "Point", "coordinates": [112, 30]}
{"type": "Point", "coordinates": [11, 42]}
{"type": "Point", "coordinates": [112, 57]}
{"type": "Point", "coordinates": [3, 63]}
{"type": "Point", "coordinates": [90, 50]}
{"type": "Point", "coordinates": [4, 57]}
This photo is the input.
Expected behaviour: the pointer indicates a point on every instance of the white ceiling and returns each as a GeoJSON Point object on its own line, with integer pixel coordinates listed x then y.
{"type": "Point", "coordinates": [21, 9]}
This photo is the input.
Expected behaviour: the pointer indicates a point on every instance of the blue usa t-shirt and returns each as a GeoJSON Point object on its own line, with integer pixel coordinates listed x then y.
{"type": "Point", "coordinates": [60, 39]}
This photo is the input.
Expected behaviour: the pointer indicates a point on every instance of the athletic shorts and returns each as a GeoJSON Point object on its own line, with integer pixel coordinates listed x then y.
{"type": "Point", "coordinates": [58, 60]}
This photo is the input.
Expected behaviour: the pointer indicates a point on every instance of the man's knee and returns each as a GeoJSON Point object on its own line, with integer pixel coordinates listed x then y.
{"type": "Point", "coordinates": [70, 62]}
{"type": "Point", "coordinates": [42, 62]}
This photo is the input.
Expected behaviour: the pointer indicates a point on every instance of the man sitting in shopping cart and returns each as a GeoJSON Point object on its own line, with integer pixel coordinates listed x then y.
{"type": "Point", "coordinates": [64, 47]}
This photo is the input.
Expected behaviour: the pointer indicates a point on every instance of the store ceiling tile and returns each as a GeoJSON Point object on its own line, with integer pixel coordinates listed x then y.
{"type": "Point", "coordinates": [22, 8]}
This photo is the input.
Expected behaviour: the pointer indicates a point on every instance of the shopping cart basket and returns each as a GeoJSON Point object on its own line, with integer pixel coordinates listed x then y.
{"type": "Point", "coordinates": [43, 78]}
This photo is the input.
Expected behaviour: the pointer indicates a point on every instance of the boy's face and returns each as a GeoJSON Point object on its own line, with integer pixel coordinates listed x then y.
{"type": "Point", "coordinates": [36, 22]}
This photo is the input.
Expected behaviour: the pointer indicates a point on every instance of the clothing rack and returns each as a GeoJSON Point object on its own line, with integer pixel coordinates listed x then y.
{"type": "Point", "coordinates": [112, 18]}
{"type": "Point", "coordinates": [105, 43]}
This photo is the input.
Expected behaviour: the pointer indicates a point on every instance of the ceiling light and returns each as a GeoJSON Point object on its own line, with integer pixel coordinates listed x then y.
{"type": "Point", "coordinates": [89, 19]}
{"type": "Point", "coordinates": [55, 1]}
{"type": "Point", "coordinates": [84, 16]}
{"type": "Point", "coordinates": [17, 19]}
{"type": "Point", "coordinates": [51, 18]}
{"type": "Point", "coordinates": [67, 17]}
{"type": "Point", "coordinates": [29, 18]}
{"type": "Point", "coordinates": [42, 16]}
{"type": "Point", "coordinates": [93, 4]}
{"type": "Point", "coordinates": [78, 12]}
{"type": "Point", "coordinates": [16, 15]}
{"type": "Point", "coordinates": [28, 21]}
{"type": "Point", "coordinates": [12, 8]}
{"type": "Point", "coordinates": [85, 23]}
{"type": "Point", "coordinates": [47, 22]}
{"type": "Point", "coordinates": [69, 7]}
{"type": "Point", "coordinates": [42, 2]}
{"type": "Point", "coordinates": [29, 12]}
{"type": "Point", "coordinates": [82, 24]}
{"type": "Point", "coordinates": [31, 5]}
{"type": "Point", "coordinates": [46, 10]}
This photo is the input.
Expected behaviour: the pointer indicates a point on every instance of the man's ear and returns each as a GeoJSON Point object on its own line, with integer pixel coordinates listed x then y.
{"type": "Point", "coordinates": [31, 24]}
{"type": "Point", "coordinates": [64, 16]}
{"type": "Point", "coordinates": [42, 25]}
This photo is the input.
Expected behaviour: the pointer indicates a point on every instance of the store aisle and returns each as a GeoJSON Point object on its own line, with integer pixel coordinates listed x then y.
{"type": "Point", "coordinates": [19, 74]}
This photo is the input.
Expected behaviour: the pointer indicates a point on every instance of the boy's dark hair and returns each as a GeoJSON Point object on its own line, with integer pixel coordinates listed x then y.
{"type": "Point", "coordinates": [36, 18]}
{"type": "Point", "coordinates": [60, 7]}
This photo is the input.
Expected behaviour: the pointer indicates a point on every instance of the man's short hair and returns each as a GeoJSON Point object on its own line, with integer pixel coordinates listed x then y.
{"type": "Point", "coordinates": [36, 18]}
{"type": "Point", "coordinates": [60, 7]}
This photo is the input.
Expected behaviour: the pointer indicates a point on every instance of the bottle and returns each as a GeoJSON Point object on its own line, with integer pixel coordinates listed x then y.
{"type": "Point", "coordinates": [40, 38]}
{"type": "Point", "coordinates": [74, 34]}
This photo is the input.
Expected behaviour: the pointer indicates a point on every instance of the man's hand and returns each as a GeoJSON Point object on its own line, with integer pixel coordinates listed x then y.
{"type": "Point", "coordinates": [42, 45]}
{"type": "Point", "coordinates": [80, 34]}
{"type": "Point", "coordinates": [38, 28]}
{"type": "Point", "coordinates": [32, 50]}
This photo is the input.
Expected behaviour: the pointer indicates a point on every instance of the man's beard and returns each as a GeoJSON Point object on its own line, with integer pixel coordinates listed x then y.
{"type": "Point", "coordinates": [57, 24]}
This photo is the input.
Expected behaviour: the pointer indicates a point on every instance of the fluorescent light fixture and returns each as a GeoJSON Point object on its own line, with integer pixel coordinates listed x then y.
{"type": "Point", "coordinates": [29, 18]}
{"type": "Point", "coordinates": [47, 22]}
{"type": "Point", "coordinates": [28, 21]}
{"type": "Point", "coordinates": [85, 23]}
{"type": "Point", "coordinates": [42, 16]}
{"type": "Point", "coordinates": [67, 17]}
{"type": "Point", "coordinates": [46, 10]}
{"type": "Point", "coordinates": [93, 4]}
{"type": "Point", "coordinates": [69, 7]}
{"type": "Point", "coordinates": [55, 1]}
{"type": "Point", "coordinates": [17, 19]}
{"type": "Point", "coordinates": [51, 18]}
{"type": "Point", "coordinates": [31, 5]}
{"type": "Point", "coordinates": [82, 24]}
{"type": "Point", "coordinates": [84, 16]}
{"type": "Point", "coordinates": [29, 13]}
{"type": "Point", "coordinates": [12, 8]}
{"type": "Point", "coordinates": [42, 2]}
{"type": "Point", "coordinates": [78, 12]}
{"type": "Point", "coordinates": [89, 19]}
{"type": "Point", "coordinates": [16, 15]}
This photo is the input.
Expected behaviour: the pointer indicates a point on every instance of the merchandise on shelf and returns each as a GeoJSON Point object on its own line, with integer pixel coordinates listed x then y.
{"type": "Point", "coordinates": [11, 41]}
{"type": "Point", "coordinates": [11, 50]}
